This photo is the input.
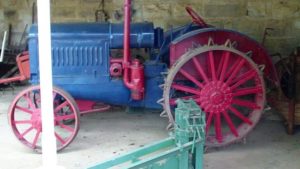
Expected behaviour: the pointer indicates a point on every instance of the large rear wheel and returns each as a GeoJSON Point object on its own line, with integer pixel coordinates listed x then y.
{"type": "Point", "coordinates": [225, 83]}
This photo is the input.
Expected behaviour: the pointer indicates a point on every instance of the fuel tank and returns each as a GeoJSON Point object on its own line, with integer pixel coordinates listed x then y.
{"type": "Point", "coordinates": [142, 34]}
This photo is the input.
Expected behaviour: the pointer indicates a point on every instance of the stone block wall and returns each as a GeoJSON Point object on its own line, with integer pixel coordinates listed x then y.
{"type": "Point", "coordinates": [251, 17]}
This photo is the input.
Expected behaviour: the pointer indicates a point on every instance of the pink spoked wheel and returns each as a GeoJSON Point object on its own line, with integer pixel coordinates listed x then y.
{"type": "Point", "coordinates": [225, 83]}
{"type": "Point", "coordinates": [25, 118]}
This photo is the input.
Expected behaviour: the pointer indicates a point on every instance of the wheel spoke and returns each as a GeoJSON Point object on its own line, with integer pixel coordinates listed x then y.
{"type": "Point", "coordinates": [64, 117]}
{"type": "Point", "coordinates": [58, 108]}
{"type": "Point", "coordinates": [191, 78]}
{"type": "Point", "coordinates": [59, 138]}
{"type": "Point", "coordinates": [200, 69]}
{"type": "Point", "coordinates": [198, 100]}
{"type": "Point", "coordinates": [23, 122]}
{"type": "Point", "coordinates": [236, 70]}
{"type": "Point", "coordinates": [26, 132]}
{"type": "Point", "coordinates": [24, 109]}
{"type": "Point", "coordinates": [224, 66]}
{"type": "Point", "coordinates": [246, 91]}
{"type": "Point", "coordinates": [37, 135]}
{"type": "Point", "coordinates": [185, 89]}
{"type": "Point", "coordinates": [221, 63]}
{"type": "Point", "coordinates": [231, 69]}
{"type": "Point", "coordinates": [240, 115]}
{"type": "Point", "coordinates": [208, 122]}
{"type": "Point", "coordinates": [212, 66]}
{"type": "Point", "coordinates": [245, 103]}
{"type": "Point", "coordinates": [29, 101]}
{"type": "Point", "coordinates": [218, 127]}
{"type": "Point", "coordinates": [68, 128]}
{"type": "Point", "coordinates": [173, 102]}
{"type": "Point", "coordinates": [37, 103]}
{"type": "Point", "coordinates": [230, 124]}
{"type": "Point", "coordinates": [206, 105]}
{"type": "Point", "coordinates": [244, 78]}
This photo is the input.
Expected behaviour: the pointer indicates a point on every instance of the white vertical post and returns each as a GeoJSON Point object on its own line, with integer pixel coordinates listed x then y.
{"type": "Point", "coordinates": [3, 46]}
{"type": "Point", "coordinates": [45, 63]}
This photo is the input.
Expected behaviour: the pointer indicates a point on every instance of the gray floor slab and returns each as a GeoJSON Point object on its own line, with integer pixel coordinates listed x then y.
{"type": "Point", "coordinates": [104, 135]}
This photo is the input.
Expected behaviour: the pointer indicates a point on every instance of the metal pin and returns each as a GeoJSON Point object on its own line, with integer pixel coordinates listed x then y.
{"type": "Point", "coordinates": [249, 54]}
{"type": "Point", "coordinates": [261, 67]}
{"type": "Point", "coordinates": [228, 43]}
{"type": "Point", "coordinates": [163, 114]}
{"type": "Point", "coordinates": [162, 86]}
{"type": "Point", "coordinates": [160, 101]}
{"type": "Point", "coordinates": [210, 42]}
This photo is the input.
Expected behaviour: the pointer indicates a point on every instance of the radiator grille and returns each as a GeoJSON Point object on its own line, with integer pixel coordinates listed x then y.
{"type": "Point", "coordinates": [82, 56]}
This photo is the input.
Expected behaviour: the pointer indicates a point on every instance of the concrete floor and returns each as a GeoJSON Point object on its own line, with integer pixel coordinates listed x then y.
{"type": "Point", "coordinates": [105, 135]}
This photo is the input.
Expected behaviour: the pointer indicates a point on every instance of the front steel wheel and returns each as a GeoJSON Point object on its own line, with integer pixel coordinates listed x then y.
{"type": "Point", "coordinates": [25, 118]}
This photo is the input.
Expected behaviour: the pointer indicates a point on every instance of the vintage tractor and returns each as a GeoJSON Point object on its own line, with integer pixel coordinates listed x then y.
{"type": "Point", "coordinates": [222, 70]}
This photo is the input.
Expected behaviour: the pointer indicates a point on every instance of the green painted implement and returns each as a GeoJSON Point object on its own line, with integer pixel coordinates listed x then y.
{"type": "Point", "coordinates": [182, 150]}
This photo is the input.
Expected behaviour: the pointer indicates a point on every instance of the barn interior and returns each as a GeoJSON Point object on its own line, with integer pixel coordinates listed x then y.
{"type": "Point", "coordinates": [115, 92]}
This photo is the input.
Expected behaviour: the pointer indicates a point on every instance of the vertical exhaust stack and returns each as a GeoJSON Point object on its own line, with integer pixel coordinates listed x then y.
{"type": "Point", "coordinates": [133, 71]}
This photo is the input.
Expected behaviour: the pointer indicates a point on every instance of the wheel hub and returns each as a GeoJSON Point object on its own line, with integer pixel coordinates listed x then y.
{"type": "Point", "coordinates": [215, 97]}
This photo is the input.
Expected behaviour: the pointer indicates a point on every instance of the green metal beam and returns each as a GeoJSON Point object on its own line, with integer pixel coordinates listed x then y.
{"type": "Point", "coordinates": [133, 156]}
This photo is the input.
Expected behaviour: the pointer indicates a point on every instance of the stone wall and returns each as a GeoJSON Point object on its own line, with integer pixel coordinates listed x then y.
{"type": "Point", "coordinates": [251, 17]}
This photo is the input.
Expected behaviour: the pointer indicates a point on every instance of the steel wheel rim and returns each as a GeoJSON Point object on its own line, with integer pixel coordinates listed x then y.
{"type": "Point", "coordinates": [24, 129]}
{"type": "Point", "coordinates": [254, 116]}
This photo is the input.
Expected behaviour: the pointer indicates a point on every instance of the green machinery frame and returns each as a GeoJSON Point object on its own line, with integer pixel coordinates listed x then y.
{"type": "Point", "coordinates": [182, 150]}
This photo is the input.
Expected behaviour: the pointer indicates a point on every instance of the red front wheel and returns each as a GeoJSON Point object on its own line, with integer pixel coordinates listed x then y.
{"type": "Point", "coordinates": [25, 118]}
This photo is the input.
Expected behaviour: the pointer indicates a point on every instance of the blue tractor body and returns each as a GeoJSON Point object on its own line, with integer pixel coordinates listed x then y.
{"type": "Point", "coordinates": [81, 54]}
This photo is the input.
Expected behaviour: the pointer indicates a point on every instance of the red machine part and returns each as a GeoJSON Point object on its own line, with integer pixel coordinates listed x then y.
{"type": "Point", "coordinates": [87, 107]}
{"type": "Point", "coordinates": [25, 118]}
{"type": "Point", "coordinates": [116, 69]}
{"type": "Point", "coordinates": [133, 72]}
{"type": "Point", "coordinates": [24, 69]}
{"type": "Point", "coordinates": [225, 83]}
{"type": "Point", "coordinates": [137, 79]}
{"type": "Point", "coordinates": [196, 18]}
